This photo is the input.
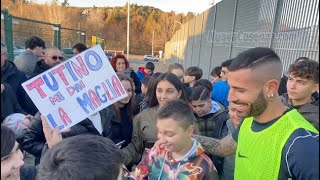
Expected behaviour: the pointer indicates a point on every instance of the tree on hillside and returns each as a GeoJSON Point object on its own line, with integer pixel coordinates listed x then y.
{"type": "Point", "coordinates": [108, 23]}
{"type": "Point", "coordinates": [65, 3]}
{"type": "Point", "coordinates": [54, 13]}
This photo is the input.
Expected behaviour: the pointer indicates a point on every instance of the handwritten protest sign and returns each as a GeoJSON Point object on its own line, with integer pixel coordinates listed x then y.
{"type": "Point", "coordinates": [75, 89]}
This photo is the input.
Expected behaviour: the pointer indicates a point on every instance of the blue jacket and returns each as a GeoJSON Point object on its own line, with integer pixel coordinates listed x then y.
{"type": "Point", "coordinates": [140, 73]}
{"type": "Point", "coordinates": [220, 92]}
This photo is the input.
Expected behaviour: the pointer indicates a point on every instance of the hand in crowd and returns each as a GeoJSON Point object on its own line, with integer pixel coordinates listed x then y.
{"type": "Point", "coordinates": [29, 117]}
{"type": "Point", "coordinates": [159, 145]}
{"type": "Point", "coordinates": [53, 137]}
{"type": "Point", "coordinates": [67, 130]}
{"type": "Point", "coordinates": [2, 88]}
{"type": "Point", "coordinates": [119, 144]}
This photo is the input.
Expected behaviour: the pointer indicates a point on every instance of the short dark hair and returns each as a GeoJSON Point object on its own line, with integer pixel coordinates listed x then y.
{"type": "Point", "coordinates": [80, 47]}
{"type": "Point", "coordinates": [194, 71]}
{"type": "Point", "coordinates": [257, 57]}
{"type": "Point", "coordinates": [226, 63]}
{"type": "Point", "coordinates": [145, 80]}
{"type": "Point", "coordinates": [200, 93]}
{"type": "Point", "coordinates": [301, 58]}
{"type": "Point", "coordinates": [216, 71]}
{"type": "Point", "coordinates": [178, 110]}
{"type": "Point", "coordinates": [305, 68]}
{"type": "Point", "coordinates": [8, 140]}
{"type": "Point", "coordinates": [34, 42]}
{"type": "Point", "coordinates": [205, 83]}
{"type": "Point", "coordinates": [82, 157]}
{"type": "Point", "coordinates": [150, 66]}
{"type": "Point", "coordinates": [173, 79]}
{"type": "Point", "coordinates": [175, 66]}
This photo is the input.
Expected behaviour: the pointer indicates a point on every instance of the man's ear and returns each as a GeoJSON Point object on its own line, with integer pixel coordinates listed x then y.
{"type": "Point", "coordinates": [315, 88]}
{"type": "Point", "coordinates": [193, 78]}
{"type": "Point", "coordinates": [271, 87]}
{"type": "Point", "coordinates": [190, 130]}
{"type": "Point", "coordinates": [180, 93]}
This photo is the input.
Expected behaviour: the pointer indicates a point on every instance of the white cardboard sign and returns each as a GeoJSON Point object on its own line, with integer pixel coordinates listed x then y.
{"type": "Point", "coordinates": [75, 89]}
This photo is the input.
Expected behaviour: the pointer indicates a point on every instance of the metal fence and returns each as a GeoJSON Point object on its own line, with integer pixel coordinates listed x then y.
{"type": "Point", "coordinates": [70, 37]}
{"type": "Point", "coordinates": [290, 27]}
{"type": "Point", "coordinates": [16, 30]}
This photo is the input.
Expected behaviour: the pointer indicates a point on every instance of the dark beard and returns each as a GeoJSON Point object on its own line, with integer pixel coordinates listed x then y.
{"type": "Point", "coordinates": [258, 106]}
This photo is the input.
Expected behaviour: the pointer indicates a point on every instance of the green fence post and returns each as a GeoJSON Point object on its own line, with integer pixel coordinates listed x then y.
{"type": "Point", "coordinates": [55, 38]}
{"type": "Point", "coordinates": [57, 35]}
{"type": "Point", "coordinates": [83, 34]}
{"type": "Point", "coordinates": [8, 33]}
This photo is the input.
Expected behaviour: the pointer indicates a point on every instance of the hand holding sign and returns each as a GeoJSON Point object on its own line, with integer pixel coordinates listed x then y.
{"type": "Point", "coordinates": [75, 89]}
{"type": "Point", "coordinates": [53, 137]}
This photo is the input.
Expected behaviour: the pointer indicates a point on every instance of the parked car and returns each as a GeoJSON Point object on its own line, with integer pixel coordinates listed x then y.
{"type": "Point", "coordinates": [151, 58]}
{"type": "Point", "coordinates": [67, 53]}
{"type": "Point", "coordinates": [109, 55]}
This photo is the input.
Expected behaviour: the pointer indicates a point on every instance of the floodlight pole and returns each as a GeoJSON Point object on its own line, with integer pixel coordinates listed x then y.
{"type": "Point", "coordinates": [128, 29]}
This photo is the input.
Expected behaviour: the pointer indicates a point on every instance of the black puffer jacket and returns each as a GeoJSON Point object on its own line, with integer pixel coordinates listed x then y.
{"type": "Point", "coordinates": [9, 103]}
{"type": "Point", "coordinates": [11, 75]}
{"type": "Point", "coordinates": [137, 84]}
{"type": "Point", "coordinates": [215, 125]}
{"type": "Point", "coordinates": [34, 138]}
{"type": "Point", "coordinates": [122, 128]}
{"type": "Point", "coordinates": [40, 67]}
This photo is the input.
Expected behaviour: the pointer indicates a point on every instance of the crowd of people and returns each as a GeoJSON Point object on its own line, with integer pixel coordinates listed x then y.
{"type": "Point", "coordinates": [250, 121]}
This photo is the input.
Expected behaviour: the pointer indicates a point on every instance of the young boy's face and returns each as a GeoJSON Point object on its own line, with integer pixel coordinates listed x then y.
{"type": "Point", "coordinates": [235, 119]}
{"type": "Point", "coordinates": [215, 79]}
{"type": "Point", "coordinates": [300, 88]}
{"type": "Point", "coordinates": [201, 108]}
{"type": "Point", "coordinates": [188, 79]}
{"type": "Point", "coordinates": [173, 135]}
{"type": "Point", "coordinates": [148, 71]}
{"type": "Point", "coordinates": [224, 73]}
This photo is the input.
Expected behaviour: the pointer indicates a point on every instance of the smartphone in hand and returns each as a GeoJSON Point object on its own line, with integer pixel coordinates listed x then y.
{"type": "Point", "coordinates": [119, 144]}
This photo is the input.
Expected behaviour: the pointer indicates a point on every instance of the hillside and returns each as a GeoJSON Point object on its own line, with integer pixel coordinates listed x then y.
{"type": "Point", "coordinates": [108, 23]}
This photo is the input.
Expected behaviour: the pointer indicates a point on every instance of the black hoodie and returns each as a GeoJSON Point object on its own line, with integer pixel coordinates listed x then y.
{"type": "Point", "coordinates": [11, 75]}
{"type": "Point", "coordinates": [41, 67]}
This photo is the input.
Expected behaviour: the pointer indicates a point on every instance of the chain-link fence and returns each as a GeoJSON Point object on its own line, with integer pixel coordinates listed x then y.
{"type": "Point", "coordinates": [70, 37]}
{"type": "Point", "coordinates": [16, 30]}
{"type": "Point", "coordinates": [290, 27]}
